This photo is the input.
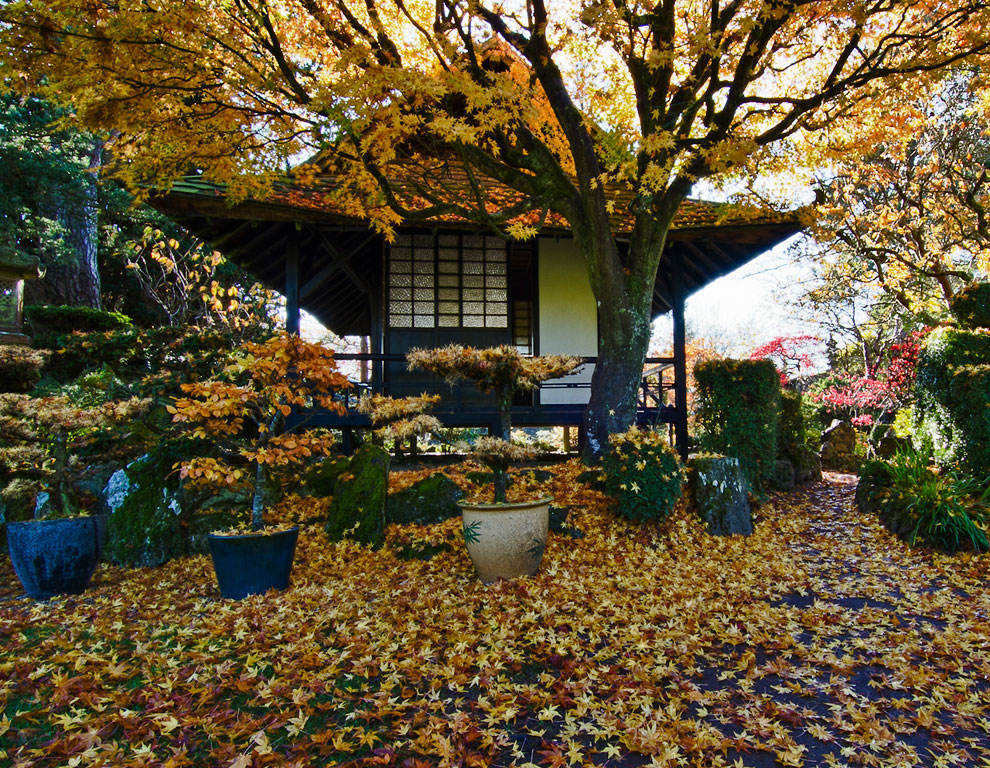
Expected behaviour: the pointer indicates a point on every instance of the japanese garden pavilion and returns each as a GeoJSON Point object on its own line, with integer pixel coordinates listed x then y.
{"type": "Point", "coordinates": [449, 282]}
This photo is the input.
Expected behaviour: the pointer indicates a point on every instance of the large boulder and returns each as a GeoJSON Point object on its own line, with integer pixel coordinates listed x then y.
{"type": "Point", "coordinates": [144, 528]}
{"type": "Point", "coordinates": [320, 479]}
{"type": "Point", "coordinates": [783, 475]}
{"type": "Point", "coordinates": [720, 493]}
{"type": "Point", "coordinates": [154, 519]}
{"type": "Point", "coordinates": [841, 436]}
{"type": "Point", "coordinates": [430, 500]}
{"type": "Point", "coordinates": [806, 462]}
{"type": "Point", "coordinates": [357, 511]}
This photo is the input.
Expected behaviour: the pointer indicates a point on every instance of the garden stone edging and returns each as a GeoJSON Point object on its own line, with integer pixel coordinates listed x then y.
{"type": "Point", "coordinates": [720, 494]}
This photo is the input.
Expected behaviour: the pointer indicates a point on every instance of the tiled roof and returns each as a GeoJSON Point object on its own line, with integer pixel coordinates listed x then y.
{"type": "Point", "coordinates": [317, 199]}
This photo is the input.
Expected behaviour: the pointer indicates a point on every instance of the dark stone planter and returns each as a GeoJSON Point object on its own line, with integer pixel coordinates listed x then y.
{"type": "Point", "coordinates": [252, 563]}
{"type": "Point", "coordinates": [56, 557]}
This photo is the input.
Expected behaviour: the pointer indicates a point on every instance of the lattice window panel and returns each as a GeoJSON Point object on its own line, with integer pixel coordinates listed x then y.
{"type": "Point", "coordinates": [450, 281]}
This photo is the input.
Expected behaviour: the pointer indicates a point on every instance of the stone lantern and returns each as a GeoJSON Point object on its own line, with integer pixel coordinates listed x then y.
{"type": "Point", "coordinates": [15, 267]}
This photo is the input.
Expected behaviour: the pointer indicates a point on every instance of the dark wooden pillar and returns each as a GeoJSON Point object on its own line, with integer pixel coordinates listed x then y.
{"type": "Point", "coordinates": [680, 356]}
{"type": "Point", "coordinates": [292, 283]}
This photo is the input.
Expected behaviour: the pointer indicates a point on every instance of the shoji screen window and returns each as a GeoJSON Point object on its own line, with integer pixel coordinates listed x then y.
{"type": "Point", "coordinates": [451, 281]}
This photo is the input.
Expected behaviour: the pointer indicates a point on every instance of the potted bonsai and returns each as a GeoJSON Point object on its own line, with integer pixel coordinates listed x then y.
{"type": "Point", "coordinates": [48, 445]}
{"type": "Point", "coordinates": [241, 418]}
{"type": "Point", "coordinates": [504, 539]}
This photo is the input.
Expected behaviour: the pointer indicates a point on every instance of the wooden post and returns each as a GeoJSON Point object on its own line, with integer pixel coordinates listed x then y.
{"type": "Point", "coordinates": [680, 356]}
{"type": "Point", "coordinates": [365, 364]}
{"type": "Point", "coordinates": [292, 283]}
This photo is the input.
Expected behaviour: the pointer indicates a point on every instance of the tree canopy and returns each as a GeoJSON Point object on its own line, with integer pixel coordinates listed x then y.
{"type": "Point", "coordinates": [910, 219]}
{"type": "Point", "coordinates": [419, 106]}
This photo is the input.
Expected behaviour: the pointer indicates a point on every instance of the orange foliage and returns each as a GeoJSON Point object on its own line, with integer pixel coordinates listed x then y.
{"type": "Point", "coordinates": [245, 413]}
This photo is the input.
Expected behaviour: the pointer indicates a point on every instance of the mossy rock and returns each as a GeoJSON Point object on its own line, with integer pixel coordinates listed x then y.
{"type": "Point", "coordinates": [720, 493]}
{"type": "Point", "coordinates": [199, 527]}
{"type": "Point", "coordinates": [806, 462]}
{"type": "Point", "coordinates": [236, 500]}
{"type": "Point", "coordinates": [145, 525]}
{"type": "Point", "coordinates": [487, 478]}
{"type": "Point", "coordinates": [431, 500]}
{"type": "Point", "coordinates": [783, 475]}
{"type": "Point", "coordinates": [320, 479]}
{"type": "Point", "coordinates": [357, 511]}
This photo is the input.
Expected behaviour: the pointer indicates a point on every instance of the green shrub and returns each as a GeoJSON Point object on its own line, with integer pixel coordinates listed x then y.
{"type": "Point", "coordinates": [643, 474]}
{"type": "Point", "coordinates": [875, 478]}
{"type": "Point", "coordinates": [738, 412]}
{"type": "Point", "coordinates": [51, 324]}
{"type": "Point", "coordinates": [971, 306]}
{"type": "Point", "coordinates": [944, 511]}
{"type": "Point", "coordinates": [156, 360]}
{"type": "Point", "coordinates": [952, 405]}
{"type": "Point", "coordinates": [904, 422]}
{"type": "Point", "coordinates": [790, 425]}
{"type": "Point", "coordinates": [20, 368]}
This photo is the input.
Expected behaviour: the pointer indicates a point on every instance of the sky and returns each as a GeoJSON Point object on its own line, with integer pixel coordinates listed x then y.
{"type": "Point", "coordinates": [747, 307]}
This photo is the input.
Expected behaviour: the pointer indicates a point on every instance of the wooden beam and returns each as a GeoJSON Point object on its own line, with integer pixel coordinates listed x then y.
{"type": "Point", "coordinates": [680, 358]}
{"type": "Point", "coordinates": [338, 262]}
{"type": "Point", "coordinates": [219, 241]}
{"type": "Point", "coordinates": [358, 281]}
{"type": "Point", "coordinates": [292, 284]}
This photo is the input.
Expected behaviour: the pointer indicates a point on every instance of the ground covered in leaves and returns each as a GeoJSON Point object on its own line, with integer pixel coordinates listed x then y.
{"type": "Point", "coordinates": [819, 641]}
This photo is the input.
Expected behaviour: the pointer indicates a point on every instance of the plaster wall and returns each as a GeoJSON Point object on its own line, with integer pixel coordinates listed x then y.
{"type": "Point", "coordinates": [568, 316]}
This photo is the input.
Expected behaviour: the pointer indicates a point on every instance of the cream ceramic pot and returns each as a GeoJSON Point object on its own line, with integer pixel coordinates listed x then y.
{"type": "Point", "coordinates": [506, 540]}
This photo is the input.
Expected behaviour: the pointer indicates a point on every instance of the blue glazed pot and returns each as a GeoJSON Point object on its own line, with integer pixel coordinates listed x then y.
{"type": "Point", "coordinates": [56, 557]}
{"type": "Point", "coordinates": [252, 563]}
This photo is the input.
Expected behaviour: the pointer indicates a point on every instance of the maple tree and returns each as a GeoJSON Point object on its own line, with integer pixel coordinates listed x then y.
{"type": "Point", "coordinates": [53, 442]}
{"type": "Point", "coordinates": [790, 354]}
{"type": "Point", "coordinates": [417, 108]}
{"type": "Point", "coordinates": [909, 221]}
{"type": "Point", "coordinates": [885, 387]}
{"type": "Point", "coordinates": [243, 412]}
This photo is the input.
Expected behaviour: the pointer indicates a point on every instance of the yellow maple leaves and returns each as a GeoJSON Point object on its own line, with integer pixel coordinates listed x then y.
{"type": "Point", "coordinates": [639, 645]}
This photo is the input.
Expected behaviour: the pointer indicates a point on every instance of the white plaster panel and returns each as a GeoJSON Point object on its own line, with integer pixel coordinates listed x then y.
{"type": "Point", "coordinates": [568, 315]}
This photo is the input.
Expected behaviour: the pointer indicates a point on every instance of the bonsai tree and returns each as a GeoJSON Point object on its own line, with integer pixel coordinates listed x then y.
{"type": "Point", "coordinates": [242, 413]}
{"type": "Point", "coordinates": [401, 418]}
{"type": "Point", "coordinates": [501, 371]}
{"type": "Point", "coordinates": [50, 442]}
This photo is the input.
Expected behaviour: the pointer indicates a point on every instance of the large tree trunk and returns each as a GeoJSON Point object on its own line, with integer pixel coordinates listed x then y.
{"type": "Point", "coordinates": [623, 289]}
{"type": "Point", "coordinates": [72, 276]}
{"type": "Point", "coordinates": [623, 339]}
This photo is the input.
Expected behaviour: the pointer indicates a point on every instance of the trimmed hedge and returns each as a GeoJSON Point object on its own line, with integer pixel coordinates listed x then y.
{"type": "Point", "coordinates": [790, 427]}
{"type": "Point", "coordinates": [643, 474]}
{"type": "Point", "coordinates": [50, 323]}
{"type": "Point", "coordinates": [952, 409]}
{"type": "Point", "coordinates": [739, 413]}
{"type": "Point", "coordinates": [971, 306]}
